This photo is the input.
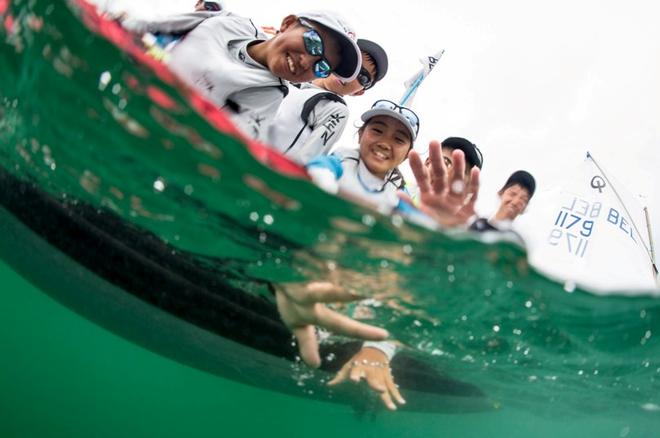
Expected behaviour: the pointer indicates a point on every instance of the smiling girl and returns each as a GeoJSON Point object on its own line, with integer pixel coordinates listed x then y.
{"type": "Point", "coordinates": [370, 173]}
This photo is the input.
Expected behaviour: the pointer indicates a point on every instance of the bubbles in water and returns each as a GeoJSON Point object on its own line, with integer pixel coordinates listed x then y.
{"type": "Point", "coordinates": [263, 237]}
{"type": "Point", "coordinates": [116, 89]}
{"type": "Point", "coordinates": [496, 328]}
{"type": "Point", "coordinates": [104, 80]}
{"type": "Point", "coordinates": [254, 216]}
{"type": "Point", "coordinates": [569, 286]}
{"type": "Point", "coordinates": [450, 268]}
{"type": "Point", "coordinates": [159, 185]}
{"type": "Point", "coordinates": [268, 219]}
{"type": "Point", "coordinates": [368, 220]}
{"type": "Point", "coordinates": [188, 189]}
{"type": "Point", "coordinates": [407, 249]}
{"type": "Point", "coordinates": [651, 407]}
{"type": "Point", "coordinates": [397, 221]}
{"type": "Point", "coordinates": [624, 432]}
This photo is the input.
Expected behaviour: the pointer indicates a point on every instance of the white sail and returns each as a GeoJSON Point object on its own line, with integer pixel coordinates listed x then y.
{"type": "Point", "coordinates": [412, 84]}
{"type": "Point", "coordinates": [591, 233]}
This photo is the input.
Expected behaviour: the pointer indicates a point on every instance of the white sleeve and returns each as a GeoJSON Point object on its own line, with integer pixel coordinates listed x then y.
{"type": "Point", "coordinates": [388, 348]}
{"type": "Point", "coordinates": [327, 120]}
{"type": "Point", "coordinates": [173, 24]}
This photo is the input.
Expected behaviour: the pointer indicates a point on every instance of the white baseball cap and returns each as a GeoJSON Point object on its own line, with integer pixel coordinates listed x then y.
{"type": "Point", "coordinates": [351, 58]}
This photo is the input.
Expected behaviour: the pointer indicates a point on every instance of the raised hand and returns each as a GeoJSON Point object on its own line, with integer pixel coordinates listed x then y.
{"type": "Point", "coordinates": [449, 201]}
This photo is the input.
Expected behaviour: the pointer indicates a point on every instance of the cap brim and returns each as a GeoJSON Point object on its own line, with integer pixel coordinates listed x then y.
{"type": "Point", "coordinates": [377, 53]}
{"type": "Point", "coordinates": [390, 113]}
{"type": "Point", "coordinates": [351, 58]}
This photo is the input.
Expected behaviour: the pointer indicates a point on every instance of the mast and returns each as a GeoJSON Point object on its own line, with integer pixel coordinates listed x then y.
{"type": "Point", "coordinates": [651, 248]}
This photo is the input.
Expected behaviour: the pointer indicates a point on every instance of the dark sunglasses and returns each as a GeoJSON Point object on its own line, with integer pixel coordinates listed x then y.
{"type": "Point", "coordinates": [365, 79]}
{"type": "Point", "coordinates": [314, 46]}
{"type": "Point", "coordinates": [212, 6]}
{"type": "Point", "coordinates": [407, 113]}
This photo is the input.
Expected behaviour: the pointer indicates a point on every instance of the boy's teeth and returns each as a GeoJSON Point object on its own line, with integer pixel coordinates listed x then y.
{"type": "Point", "coordinates": [291, 66]}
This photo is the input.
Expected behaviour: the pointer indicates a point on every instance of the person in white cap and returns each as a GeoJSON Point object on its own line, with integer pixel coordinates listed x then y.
{"type": "Point", "coordinates": [235, 65]}
{"type": "Point", "coordinates": [370, 173]}
{"type": "Point", "coordinates": [313, 116]}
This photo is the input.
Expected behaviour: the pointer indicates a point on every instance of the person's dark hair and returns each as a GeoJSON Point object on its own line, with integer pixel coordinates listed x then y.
{"type": "Point", "coordinates": [377, 55]}
{"type": "Point", "coordinates": [472, 153]}
{"type": "Point", "coordinates": [522, 178]}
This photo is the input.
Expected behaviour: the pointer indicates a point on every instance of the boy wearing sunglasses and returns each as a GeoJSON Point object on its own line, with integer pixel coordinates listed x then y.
{"type": "Point", "coordinates": [232, 63]}
{"type": "Point", "coordinates": [313, 116]}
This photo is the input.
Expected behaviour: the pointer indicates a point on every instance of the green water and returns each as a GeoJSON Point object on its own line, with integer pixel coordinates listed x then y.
{"type": "Point", "coordinates": [63, 376]}
{"type": "Point", "coordinates": [81, 120]}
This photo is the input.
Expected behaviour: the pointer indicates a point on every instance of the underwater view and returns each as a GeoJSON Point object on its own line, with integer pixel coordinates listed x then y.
{"type": "Point", "coordinates": [142, 239]}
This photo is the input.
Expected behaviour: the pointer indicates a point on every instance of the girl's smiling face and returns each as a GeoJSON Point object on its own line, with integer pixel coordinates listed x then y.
{"type": "Point", "coordinates": [384, 144]}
